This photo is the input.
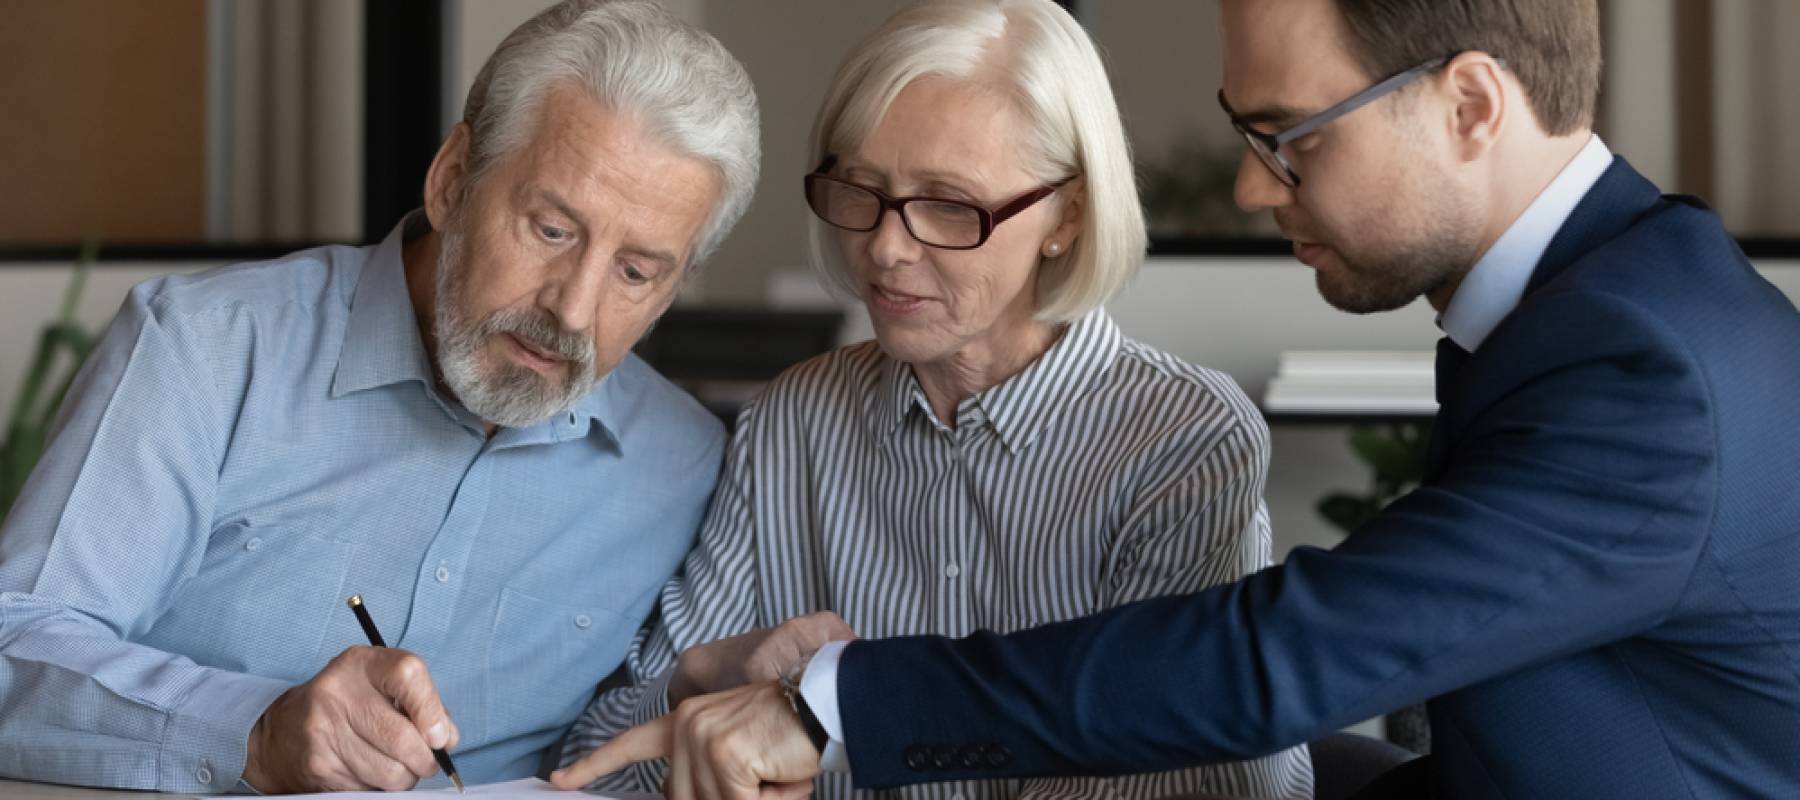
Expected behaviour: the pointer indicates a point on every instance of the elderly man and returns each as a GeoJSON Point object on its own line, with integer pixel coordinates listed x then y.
{"type": "Point", "coordinates": [449, 424]}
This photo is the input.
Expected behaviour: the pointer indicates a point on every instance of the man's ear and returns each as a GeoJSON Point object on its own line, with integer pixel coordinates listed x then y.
{"type": "Point", "coordinates": [1474, 83]}
{"type": "Point", "coordinates": [447, 181]}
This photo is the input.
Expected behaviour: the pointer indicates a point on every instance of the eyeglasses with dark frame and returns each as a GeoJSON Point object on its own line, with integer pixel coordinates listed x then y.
{"type": "Point", "coordinates": [1267, 146]}
{"type": "Point", "coordinates": [935, 221]}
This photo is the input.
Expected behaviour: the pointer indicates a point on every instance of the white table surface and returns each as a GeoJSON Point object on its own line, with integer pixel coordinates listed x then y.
{"type": "Point", "coordinates": [20, 790]}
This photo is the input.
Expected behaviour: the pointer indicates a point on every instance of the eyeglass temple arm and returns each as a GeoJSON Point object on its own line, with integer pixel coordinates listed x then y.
{"type": "Point", "coordinates": [1357, 101]}
{"type": "Point", "coordinates": [1023, 202]}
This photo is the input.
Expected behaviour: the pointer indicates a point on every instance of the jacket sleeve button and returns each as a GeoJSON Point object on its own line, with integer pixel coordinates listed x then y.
{"type": "Point", "coordinates": [943, 757]}
{"type": "Point", "coordinates": [998, 757]}
{"type": "Point", "coordinates": [917, 759]}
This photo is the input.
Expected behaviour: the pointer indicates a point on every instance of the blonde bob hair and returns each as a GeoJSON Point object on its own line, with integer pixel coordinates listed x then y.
{"type": "Point", "coordinates": [1034, 53]}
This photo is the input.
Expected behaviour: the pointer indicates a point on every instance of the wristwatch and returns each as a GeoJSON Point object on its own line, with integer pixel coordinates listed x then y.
{"type": "Point", "coordinates": [790, 686]}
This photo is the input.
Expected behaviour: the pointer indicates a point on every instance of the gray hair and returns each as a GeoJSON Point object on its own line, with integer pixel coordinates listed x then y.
{"type": "Point", "coordinates": [1043, 61]}
{"type": "Point", "coordinates": [637, 58]}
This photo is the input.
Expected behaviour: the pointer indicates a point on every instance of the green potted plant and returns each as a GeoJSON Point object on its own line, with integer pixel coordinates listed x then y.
{"type": "Point", "coordinates": [1395, 455]}
{"type": "Point", "coordinates": [47, 380]}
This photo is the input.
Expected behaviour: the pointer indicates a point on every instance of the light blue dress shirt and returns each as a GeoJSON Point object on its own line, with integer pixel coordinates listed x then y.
{"type": "Point", "coordinates": [248, 447]}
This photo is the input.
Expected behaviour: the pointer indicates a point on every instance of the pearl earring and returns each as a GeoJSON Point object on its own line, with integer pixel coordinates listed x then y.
{"type": "Point", "coordinates": [1052, 249]}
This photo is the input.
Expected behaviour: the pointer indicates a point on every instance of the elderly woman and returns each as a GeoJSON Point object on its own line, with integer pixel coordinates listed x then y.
{"type": "Point", "coordinates": [1001, 456]}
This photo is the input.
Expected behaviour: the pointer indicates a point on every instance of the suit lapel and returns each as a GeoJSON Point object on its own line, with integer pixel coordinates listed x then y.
{"type": "Point", "coordinates": [1616, 202]}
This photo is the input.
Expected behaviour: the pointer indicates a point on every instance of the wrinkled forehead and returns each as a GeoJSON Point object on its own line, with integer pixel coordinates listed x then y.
{"type": "Point", "coordinates": [1285, 55]}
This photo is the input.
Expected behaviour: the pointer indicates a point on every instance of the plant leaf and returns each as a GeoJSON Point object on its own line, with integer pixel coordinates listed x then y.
{"type": "Point", "coordinates": [1393, 461]}
{"type": "Point", "coordinates": [28, 429]}
{"type": "Point", "coordinates": [1345, 511]}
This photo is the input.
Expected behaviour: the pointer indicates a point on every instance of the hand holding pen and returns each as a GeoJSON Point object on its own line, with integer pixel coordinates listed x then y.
{"type": "Point", "coordinates": [368, 720]}
{"type": "Point", "coordinates": [438, 744]}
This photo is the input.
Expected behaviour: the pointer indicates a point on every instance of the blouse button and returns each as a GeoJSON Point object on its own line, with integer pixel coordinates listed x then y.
{"type": "Point", "coordinates": [582, 621]}
{"type": "Point", "coordinates": [253, 544]}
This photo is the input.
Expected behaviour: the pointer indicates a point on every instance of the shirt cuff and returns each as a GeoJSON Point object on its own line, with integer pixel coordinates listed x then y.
{"type": "Point", "coordinates": [818, 685]}
{"type": "Point", "coordinates": [207, 739]}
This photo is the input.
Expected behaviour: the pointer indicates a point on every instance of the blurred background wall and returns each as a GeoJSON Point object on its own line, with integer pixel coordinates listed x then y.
{"type": "Point", "coordinates": [190, 133]}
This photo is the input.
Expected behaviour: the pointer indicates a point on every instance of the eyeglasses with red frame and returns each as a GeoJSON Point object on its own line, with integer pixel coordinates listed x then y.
{"type": "Point", "coordinates": [935, 221]}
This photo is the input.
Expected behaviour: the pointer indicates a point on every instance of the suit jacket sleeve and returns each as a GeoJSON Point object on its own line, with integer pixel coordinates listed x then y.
{"type": "Point", "coordinates": [1204, 526]}
{"type": "Point", "coordinates": [1570, 514]}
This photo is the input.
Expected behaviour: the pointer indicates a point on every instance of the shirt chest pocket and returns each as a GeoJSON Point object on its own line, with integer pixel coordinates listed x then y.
{"type": "Point", "coordinates": [545, 658]}
{"type": "Point", "coordinates": [259, 603]}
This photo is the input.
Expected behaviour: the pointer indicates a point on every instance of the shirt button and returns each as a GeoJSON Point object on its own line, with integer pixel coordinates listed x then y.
{"type": "Point", "coordinates": [582, 621]}
{"type": "Point", "coordinates": [443, 573]}
{"type": "Point", "coordinates": [952, 570]}
{"type": "Point", "coordinates": [253, 543]}
{"type": "Point", "coordinates": [203, 775]}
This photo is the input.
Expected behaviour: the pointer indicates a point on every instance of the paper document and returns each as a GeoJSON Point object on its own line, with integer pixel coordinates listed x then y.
{"type": "Point", "coordinates": [528, 789]}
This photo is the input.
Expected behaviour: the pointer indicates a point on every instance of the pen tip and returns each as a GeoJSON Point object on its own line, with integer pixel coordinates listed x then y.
{"type": "Point", "coordinates": [457, 779]}
{"type": "Point", "coordinates": [354, 601]}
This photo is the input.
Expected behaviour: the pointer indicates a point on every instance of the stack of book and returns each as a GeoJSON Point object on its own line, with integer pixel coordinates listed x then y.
{"type": "Point", "coordinates": [1353, 382]}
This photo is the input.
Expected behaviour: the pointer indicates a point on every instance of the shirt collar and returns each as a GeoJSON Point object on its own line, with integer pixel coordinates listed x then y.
{"type": "Point", "coordinates": [599, 408]}
{"type": "Point", "coordinates": [603, 405]}
{"type": "Point", "coordinates": [381, 340]}
{"type": "Point", "coordinates": [1496, 284]}
{"type": "Point", "coordinates": [382, 345]}
{"type": "Point", "coordinates": [1023, 406]}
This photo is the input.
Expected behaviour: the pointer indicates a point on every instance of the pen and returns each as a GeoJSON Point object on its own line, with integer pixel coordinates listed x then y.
{"type": "Point", "coordinates": [368, 626]}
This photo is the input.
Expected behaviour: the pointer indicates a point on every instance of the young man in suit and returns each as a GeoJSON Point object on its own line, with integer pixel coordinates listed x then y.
{"type": "Point", "coordinates": [1595, 586]}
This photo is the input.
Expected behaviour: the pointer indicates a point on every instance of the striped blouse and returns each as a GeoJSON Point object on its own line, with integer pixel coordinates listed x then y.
{"type": "Point", "coordinates": [1103, 473]}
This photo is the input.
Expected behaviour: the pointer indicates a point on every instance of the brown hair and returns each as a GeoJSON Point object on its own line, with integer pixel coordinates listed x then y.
{"type": "Point", "coordinates": [1552, 46]}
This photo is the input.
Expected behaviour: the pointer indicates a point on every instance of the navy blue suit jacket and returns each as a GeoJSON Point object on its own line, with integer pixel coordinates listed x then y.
{"type": "Point", "coordinates": [1597, 587]}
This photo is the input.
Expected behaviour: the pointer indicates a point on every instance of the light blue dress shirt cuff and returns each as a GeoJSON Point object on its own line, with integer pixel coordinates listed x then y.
{"type": "Point", "coordinates": [818, 685]}
{"type": "Point", "coordinates": [206, 741]}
